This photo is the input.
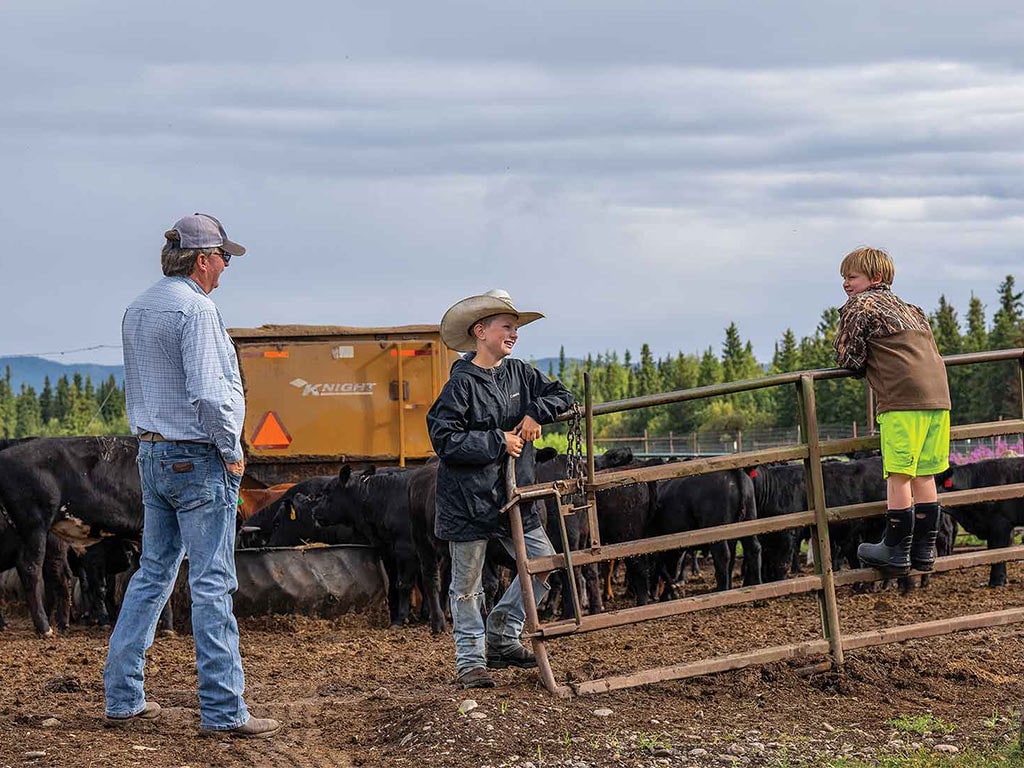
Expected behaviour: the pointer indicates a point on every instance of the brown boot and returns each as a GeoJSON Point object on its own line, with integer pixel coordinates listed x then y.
{"type": "Point", "coordinates": [516, 656]}
{"type": "Point", "coordinates": [150, 711]}
{"type": "Point", "coordinates": [253, 728]}
{"type": "Point", "coordinates": [477, 677]}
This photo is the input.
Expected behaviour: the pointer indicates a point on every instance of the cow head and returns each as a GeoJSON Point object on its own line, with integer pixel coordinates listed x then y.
{"type": "Point", "coordinates": [345, 501]}
{"type": "Point", "coordinates": [546, 454]}
{"type": "Point", "coordinates": [296, 521]}
{"type": "Point", "coordinates": [616, 457]}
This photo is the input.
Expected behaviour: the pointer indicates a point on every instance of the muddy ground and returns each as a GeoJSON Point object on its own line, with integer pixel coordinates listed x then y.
{"type": "Point", "coordinates": [354, 693]}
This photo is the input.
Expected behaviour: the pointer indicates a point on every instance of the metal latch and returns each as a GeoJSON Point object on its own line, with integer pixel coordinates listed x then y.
{"type": "Point", "coordinates": [393, 390]}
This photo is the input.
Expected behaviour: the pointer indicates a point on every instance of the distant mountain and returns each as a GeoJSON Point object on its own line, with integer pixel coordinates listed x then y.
{"type": "Point", "coordinates": [32, 371]}
{"type": "Point", "coordinates": [551, 363]}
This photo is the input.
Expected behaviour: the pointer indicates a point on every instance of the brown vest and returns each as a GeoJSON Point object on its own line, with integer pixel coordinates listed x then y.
{"type": "Point", "coordinates": [906, 372]}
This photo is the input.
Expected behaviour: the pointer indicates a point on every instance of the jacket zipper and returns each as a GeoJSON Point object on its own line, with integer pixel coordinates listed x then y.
{"type": "Point", "coordinates": [507, 399]}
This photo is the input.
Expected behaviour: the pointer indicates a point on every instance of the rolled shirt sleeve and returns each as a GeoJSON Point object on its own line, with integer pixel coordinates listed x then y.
{"type": "Point", "coordinates": [212, 382]}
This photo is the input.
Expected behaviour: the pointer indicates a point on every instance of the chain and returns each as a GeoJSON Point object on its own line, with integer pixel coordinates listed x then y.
{"type": "Point", "coordinates": [574, 447]}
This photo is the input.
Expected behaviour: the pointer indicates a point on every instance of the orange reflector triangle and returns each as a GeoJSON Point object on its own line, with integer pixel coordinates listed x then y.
{"type": "Point", "coordinates": [270, 433]}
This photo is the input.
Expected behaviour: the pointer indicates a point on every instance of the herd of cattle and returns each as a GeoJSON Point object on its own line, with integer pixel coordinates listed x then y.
{"type": "Point", "coordinates": [72, 508]}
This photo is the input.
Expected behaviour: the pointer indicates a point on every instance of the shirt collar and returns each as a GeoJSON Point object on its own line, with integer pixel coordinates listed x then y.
{"type": "Point", "coordinates": [190, 283]}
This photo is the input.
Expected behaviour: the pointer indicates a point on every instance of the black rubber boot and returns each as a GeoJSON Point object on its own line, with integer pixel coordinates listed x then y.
{"type": "Point", "coordinates": [892, 554]}
{"type": "Point", "coordinates": [926, 531]}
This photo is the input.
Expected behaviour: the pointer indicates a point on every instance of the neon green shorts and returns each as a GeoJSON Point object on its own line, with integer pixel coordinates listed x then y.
{"type": "Point", "coordinates": [914, 443]}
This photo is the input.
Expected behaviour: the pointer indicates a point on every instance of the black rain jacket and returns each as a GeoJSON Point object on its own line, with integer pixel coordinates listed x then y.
{"type": "Point", "coordinates": [467, 425]}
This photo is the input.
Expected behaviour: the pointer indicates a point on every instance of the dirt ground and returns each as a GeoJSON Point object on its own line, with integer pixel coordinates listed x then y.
{"type": "Point", "coordinates": [354, 693]}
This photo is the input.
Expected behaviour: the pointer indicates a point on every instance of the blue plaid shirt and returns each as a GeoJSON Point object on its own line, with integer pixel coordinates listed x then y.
{"type": "Point", "coordinates": [180, 370]}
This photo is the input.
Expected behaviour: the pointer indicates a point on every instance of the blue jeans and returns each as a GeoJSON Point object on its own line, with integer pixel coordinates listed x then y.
{"type": "Point", "coordinates": [505, 622]}
{"type": "Point", "coordinates": [189, 498]}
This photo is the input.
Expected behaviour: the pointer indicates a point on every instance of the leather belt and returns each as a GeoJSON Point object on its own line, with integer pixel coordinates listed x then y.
{"type": "Point", "coordinates": [156, 437]}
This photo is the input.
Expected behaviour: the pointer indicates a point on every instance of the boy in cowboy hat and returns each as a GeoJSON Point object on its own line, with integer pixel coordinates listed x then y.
{"type": "Point", "coordinates": [492, 407]}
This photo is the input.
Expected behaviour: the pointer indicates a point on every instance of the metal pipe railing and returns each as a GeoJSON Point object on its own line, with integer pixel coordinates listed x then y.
{"type": "Point", "coordinates": [775, 380]}
{"type": "Point", "coordinates": [823, 584]}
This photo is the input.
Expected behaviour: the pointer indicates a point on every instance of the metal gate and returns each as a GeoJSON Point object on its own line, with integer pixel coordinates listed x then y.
{"type": "Point", "coordinates": [823, 584]}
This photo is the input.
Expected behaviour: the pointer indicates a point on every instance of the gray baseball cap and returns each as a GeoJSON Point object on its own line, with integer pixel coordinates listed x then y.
{"type": "Point", "coordinates": [201, 230]}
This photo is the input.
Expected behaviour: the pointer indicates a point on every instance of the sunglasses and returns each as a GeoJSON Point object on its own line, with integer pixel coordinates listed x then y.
{"type": "Point", "coordinates": [225, 256]}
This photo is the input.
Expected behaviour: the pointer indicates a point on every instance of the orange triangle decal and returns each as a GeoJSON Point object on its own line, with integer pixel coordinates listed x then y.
{"type": "Point", "coordinates": [270, 433]}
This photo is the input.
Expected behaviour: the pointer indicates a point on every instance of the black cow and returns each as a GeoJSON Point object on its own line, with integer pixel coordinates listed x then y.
{"type": "Point", "coordinates": [625, 514]}
{"type": "Point", "coordinates": [992, 521]}
{"type": "Point", "coordinates": [299, 516]}
{"type": "Point", "coordinates": [577, 528]}
{"type": "Point", "coordinates": [433, 554]}
{"type": "Point", "coordinates": [375, 505]}
{"type": "Point", "coordinates": [704, 501]}
{"type": "Point", "coordinates": [81, 484]}
{"type": "Point", "coordinates": [56, 573]}
{"type": "Point", "coordinates": [96, 568]}
{"type": "Point", "coordinates": [369, 508]}
{"type": "Point", "coordinates": [781, 489]}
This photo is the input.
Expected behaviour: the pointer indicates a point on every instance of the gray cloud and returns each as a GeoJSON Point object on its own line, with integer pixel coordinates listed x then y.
{"type": "Point", "coordinates": [639, 173]}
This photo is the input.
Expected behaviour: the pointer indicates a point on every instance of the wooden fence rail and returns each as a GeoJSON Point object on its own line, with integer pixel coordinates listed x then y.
{"type": "Point", "coordinates": [823, 584]}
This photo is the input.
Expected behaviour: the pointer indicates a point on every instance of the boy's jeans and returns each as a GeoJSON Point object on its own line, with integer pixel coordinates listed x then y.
{"type": "Point", "coordinates": [505, 621]}
{"type": "Point", "coordinates": [189, 498]}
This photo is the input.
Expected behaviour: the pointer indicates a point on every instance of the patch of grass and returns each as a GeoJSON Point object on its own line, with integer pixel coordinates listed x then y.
{"type": "Point", "coordinates": [780, 760]}
{"type": "Point", "coordinates": [1007, 757]}
{"type": "Point", "coordinates": [970, 540]}
{"type": "Point", "coordinates": [995, 722]}
{"type": "Point", "coordinates": [921, 724]}
{"type": "Point", "coordinates": [652, 741]}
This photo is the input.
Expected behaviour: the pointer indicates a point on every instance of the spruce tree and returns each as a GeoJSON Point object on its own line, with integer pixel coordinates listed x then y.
{"type": "Point", "coordinates": [1004, 378]}
{"type": "Point", "coordinates": [976, 397]}
{"type": "Point", "coordinates": [46, 401]}
{"type": "Point", "coordinates": [710, 369]}
{"type": "Point", "coordinates": [29, 423]}
{"type": "Point", "coordinates": [946, 329]}
{"type": "Point", "coordinates": [786, 360]}
{"type": "Point", "coordinates": [647, 374]}
{"type": "Point", "coordinates": [62, 400]}
{"type": "Point", "coordinates": [8, 415]}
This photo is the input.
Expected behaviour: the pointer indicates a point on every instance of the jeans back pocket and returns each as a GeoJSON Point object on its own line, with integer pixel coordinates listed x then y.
{"type": "Point", "coordinates": [185, 481]}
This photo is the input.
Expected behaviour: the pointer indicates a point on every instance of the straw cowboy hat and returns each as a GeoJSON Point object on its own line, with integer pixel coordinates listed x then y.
{"type": "Point", "coordinates": [457, 323]}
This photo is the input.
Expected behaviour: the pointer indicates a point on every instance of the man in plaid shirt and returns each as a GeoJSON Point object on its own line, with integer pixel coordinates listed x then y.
{"type": "Point", "coordinates": [185, 402]}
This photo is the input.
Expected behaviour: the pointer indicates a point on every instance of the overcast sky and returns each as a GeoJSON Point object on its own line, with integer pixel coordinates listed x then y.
{"type": "Point", "coordinates": [636, 171]}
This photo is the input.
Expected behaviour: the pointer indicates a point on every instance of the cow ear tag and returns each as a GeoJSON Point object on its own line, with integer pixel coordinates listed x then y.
{"type": "Point", "coordinates": [291, 512]}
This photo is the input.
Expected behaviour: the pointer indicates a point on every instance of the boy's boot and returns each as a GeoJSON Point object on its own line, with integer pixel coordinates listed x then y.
{"type": "Point", "coordinates": [926, 531]}
{"type": "Point", "coordinates": [892, 554]}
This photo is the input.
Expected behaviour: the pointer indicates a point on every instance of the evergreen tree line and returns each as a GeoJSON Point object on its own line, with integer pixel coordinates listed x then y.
{"type": "Point", "coordinates": [980, 392]}
{"type": "Point", "coordinates": [73, 407]}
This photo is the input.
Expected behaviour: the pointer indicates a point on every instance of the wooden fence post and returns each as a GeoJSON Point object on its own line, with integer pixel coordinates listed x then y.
{"type": "Point", "coordinates": [816, 496]}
